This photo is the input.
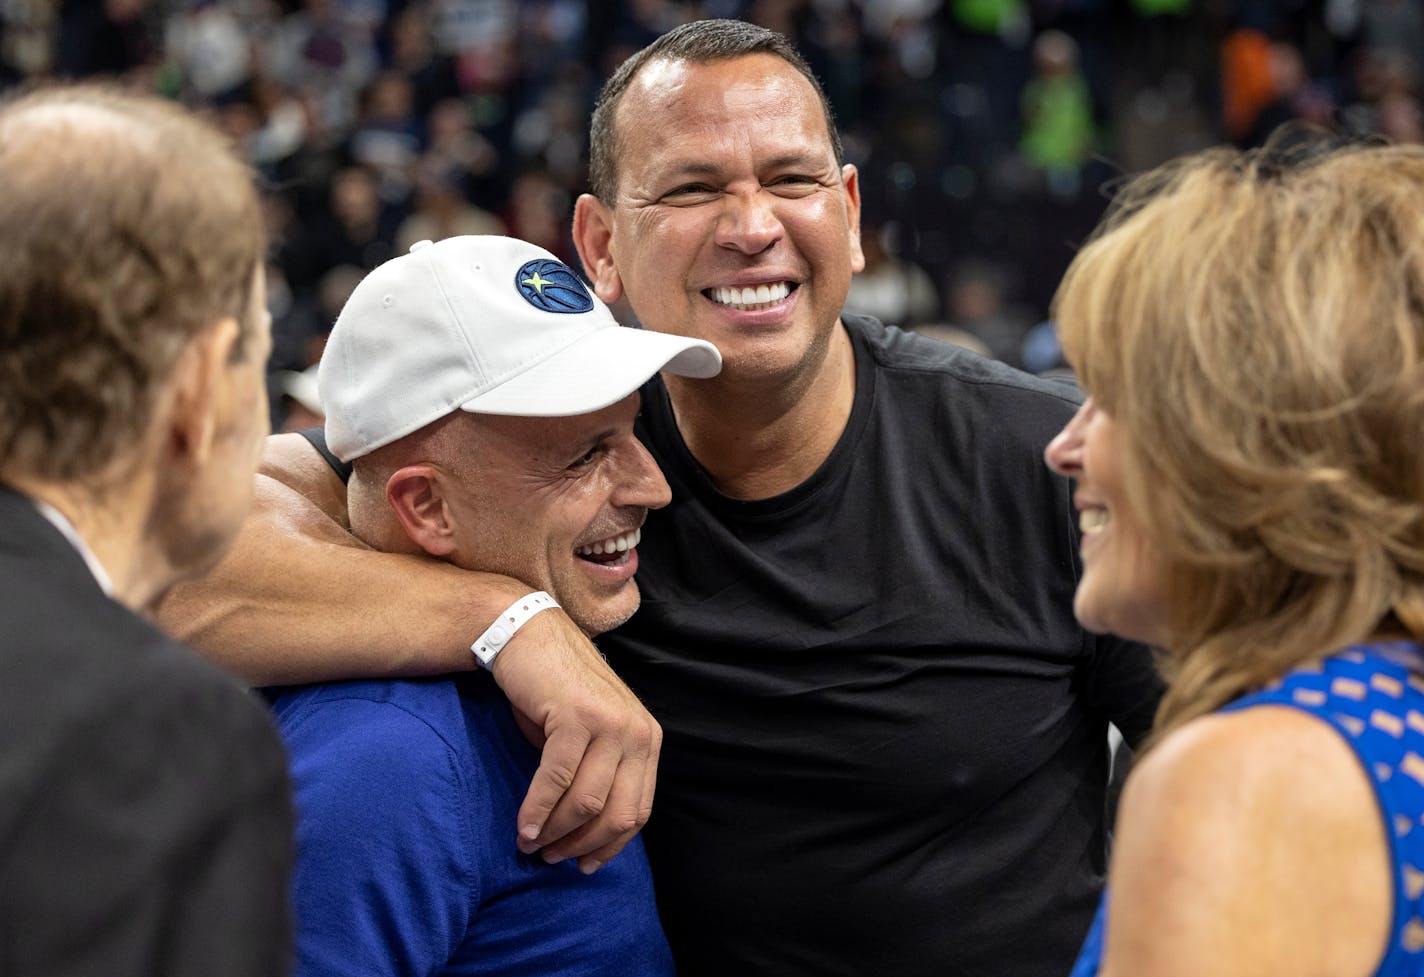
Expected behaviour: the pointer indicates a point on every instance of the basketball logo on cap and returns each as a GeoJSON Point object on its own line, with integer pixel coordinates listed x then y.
{"type": "Point", "coordinates": [552, 286]}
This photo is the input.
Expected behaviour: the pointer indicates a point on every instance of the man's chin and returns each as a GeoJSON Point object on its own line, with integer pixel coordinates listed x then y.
{"type": "Point", "coordinates": [605, 615]}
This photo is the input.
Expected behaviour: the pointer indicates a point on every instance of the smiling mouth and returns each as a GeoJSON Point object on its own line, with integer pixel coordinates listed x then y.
{"type": "Point", "coordinates": [612, 551]}
{"type": "Point", "coordinates": [1092, 521]}
{"type": "Point", "coordinates": [751, 298]}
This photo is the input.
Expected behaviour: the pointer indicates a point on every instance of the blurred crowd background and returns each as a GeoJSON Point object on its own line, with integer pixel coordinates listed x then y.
{"type": "Point", "coordinates": [985, 130]}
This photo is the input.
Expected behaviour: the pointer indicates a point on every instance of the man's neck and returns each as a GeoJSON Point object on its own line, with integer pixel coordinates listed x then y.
{"type": "Point", "coordinates": [760, 438]}
{"type": "Point", "coordinates": [112, 525]}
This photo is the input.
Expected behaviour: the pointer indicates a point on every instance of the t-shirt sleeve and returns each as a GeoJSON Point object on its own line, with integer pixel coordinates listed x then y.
{"type": "Point", "coordinates": [1124, 685]}
{"type": "Point", "coordinates": [386, 881]}
{"type": "Point", "coordinates": [317, 437]}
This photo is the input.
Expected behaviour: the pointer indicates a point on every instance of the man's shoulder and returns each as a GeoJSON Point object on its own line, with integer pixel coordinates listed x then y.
{"type": "Point", "coordinates": [391, 721]}
{"type": "Point", "coordinates": [371, 753]}
{"type": "Point", "coordinates": [69, 650]}
{"type": "Point", "coordinates": [901, 352]}
{"type": "Point", "coordinates": [431, 701]}
{"type": "Point", "coordinates": [94, 698]}
{"type": "Point", "coordinates": [925, 389]}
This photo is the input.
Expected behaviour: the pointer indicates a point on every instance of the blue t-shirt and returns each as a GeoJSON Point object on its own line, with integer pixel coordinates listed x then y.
{"type": "Point", "coordinates": [406, 795]}
{"type": "Point", "coordinates": [1373, 696]}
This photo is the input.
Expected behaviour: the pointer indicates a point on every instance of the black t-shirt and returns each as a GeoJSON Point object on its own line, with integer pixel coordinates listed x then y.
{"type": "Point", "coordinates": [885, 733]}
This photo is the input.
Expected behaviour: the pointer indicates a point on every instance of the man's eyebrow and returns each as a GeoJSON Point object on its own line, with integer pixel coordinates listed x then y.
{"type": "Point", "coordinates": [693, 167]}
{"type": "Point", "coordinates": [587, 443]}
{"type": "Point", "coordinates": [794, 159]}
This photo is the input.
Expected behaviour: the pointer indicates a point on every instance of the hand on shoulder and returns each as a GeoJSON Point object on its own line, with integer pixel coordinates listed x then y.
{"type": "Point", "coordinates": [594, 787]}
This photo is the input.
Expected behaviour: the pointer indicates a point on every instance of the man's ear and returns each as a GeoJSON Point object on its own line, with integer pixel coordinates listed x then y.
{"type": "Point", "coordinates": [593, 237]}
{"type": "Point", "coordinates": [199, 394]}
{"type": "Point", "coordinates": [850, 178]}
{"type": "Point", "coordinates": [415, 494]}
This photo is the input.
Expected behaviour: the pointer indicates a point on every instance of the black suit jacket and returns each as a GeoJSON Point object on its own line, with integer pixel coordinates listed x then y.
{"type": "Point", "coordinates": [145, 814]}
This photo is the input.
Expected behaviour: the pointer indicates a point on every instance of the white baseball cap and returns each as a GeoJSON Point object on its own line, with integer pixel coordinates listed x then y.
{"type": "Point", "coordinates": [486, 324]}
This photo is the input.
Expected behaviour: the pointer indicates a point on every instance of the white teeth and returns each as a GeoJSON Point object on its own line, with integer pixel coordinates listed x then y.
{"type": "Point", "coordinates": [617, 544]}
{"type": "Point", "coordinates": [744, 299]}
{"type": "Point", "coordinates": [1092, 520]}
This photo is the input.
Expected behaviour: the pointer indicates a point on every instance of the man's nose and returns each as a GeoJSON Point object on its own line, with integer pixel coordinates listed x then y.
{"type": "Point", "coordinates": [748, 222]}
{"type": "Point", "coordinates": [1064, 453]}
{"type": "Point", "coordinates": [642, 483]}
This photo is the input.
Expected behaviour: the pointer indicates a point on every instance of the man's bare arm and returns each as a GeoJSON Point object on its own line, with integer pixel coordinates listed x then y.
{"type": "Point", "coordinates": [298, 599]}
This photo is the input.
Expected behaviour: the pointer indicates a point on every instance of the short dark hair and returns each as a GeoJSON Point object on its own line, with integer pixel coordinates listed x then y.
{"type": "Point", "coordinates": [699, 42]}
{"type": "Point", "coordinates": [127, 225]}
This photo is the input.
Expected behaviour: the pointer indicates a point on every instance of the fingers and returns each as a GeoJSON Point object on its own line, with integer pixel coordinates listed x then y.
{"type": "Point", "coordinates": [642, 806]}
{"type": "Point", "coordinates": [593, 790]}
{"type": "Point", "coordinates": [627, 807]}
{"type": "Point", "coordinates": [558, 765]}
{"type": "Point", "coordinates": [588, 816]}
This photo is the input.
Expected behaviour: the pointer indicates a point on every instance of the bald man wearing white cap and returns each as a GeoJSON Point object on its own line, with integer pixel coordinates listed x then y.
{"type": "Point", "coordinates": [486, 402]}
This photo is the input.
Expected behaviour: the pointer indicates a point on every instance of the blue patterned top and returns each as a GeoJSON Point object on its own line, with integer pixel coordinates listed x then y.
{"type": "Point", "coordinates": [1373, 698]}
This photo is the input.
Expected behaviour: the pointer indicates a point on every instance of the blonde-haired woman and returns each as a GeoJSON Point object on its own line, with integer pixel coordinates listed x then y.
{"type": "Point", "coordinates": [1250, 476]}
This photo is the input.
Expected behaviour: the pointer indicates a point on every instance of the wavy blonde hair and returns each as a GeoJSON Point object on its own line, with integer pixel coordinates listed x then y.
{"type": "Point", "coordinates": [1255, 332]}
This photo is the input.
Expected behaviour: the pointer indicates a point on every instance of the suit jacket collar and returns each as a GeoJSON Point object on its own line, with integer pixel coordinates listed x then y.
{"type": "Point", "coordinates": [27, 536]}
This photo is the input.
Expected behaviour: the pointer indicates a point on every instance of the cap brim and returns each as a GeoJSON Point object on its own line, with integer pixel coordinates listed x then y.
{"type": "Point", "coordinates": [596, 371]}
{"type": "Point", "coordinates": [301, 386]}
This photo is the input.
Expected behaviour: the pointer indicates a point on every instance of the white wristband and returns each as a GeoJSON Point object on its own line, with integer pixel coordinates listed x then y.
{"type": "Point", "coordinates": [507, 625]}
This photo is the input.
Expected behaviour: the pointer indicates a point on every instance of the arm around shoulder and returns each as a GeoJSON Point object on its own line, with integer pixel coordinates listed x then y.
{"type": "Point", "coordinates": [299, 599]}
{"type": "Point", "coordinates": [292, 460]}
